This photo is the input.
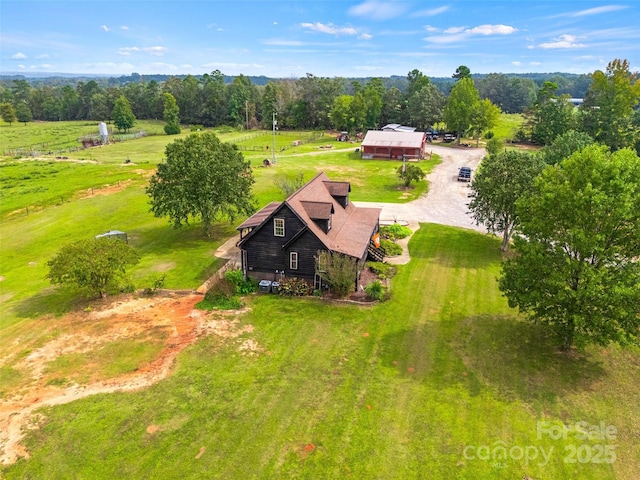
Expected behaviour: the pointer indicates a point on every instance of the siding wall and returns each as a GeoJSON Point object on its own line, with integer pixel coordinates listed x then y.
{"type": "Point", "coordinates": [264, 249]}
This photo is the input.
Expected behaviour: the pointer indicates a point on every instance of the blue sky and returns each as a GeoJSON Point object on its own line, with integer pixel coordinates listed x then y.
{"type": "Point", "coordinates": [288, 39]}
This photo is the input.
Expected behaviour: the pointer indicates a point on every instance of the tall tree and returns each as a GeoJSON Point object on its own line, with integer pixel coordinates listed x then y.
{"type": "Point", "coordinates": [425, 107]}
{"type": "Point", "coordinates": [500, 181]}
{"type": "Point", "coordinates": [23, 113]}
{"type": "Point", "coordinates": [171, 115]}
{"type": "Point", "coordinates": [609, 104]}
{"type": "Point", "coordinates": [485, 117]}
{"type": "Point", "coordinates": [373, 93]}
{"type": "Point", "coordinates": [201, 178]}
{"type": "Point", "coordinates": [7, 112]}
{"type": "Point", "coordinates": [578, 244]}
{"type": "Point", "coordinates": [551, 115]}
{"type": "Point", "coordinates": [417, 81]}
{"type": "Point", "coordinates": [461, 105]}
{"type": "Point", "coordinates": [462, 72]}
{"type": "Point", "coordinates": [393, 107]}
{"type": "Point", "coordinates": [340, 114]}
{"type": "Point", "coordinates": [122, 116]}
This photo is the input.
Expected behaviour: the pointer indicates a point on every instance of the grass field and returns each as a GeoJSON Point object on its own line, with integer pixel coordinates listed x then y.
{"type": "Point", "coordinates": [509, 124]}
{"type": "Point", "coordinates": [45, 204]}
{"type": "Point", "coordinates": [398, 390]}
{"type": "Point", "coordinates": [411, 388]}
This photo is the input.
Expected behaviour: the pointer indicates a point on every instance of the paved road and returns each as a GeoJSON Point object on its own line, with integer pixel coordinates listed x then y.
{"type": "Point", "coordinates": [446, 201]}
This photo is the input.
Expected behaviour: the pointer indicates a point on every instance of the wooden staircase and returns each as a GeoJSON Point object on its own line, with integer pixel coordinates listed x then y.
{"type": "Point", "coordinates": [375, 253]}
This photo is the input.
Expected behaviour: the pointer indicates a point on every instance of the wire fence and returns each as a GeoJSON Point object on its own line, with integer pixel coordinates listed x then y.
{"type": "Point", "coordinates": [68, 145]}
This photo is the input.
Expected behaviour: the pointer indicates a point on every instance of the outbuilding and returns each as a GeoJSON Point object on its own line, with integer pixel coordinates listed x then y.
{"type": "Point", "coordinates": [393, 145]}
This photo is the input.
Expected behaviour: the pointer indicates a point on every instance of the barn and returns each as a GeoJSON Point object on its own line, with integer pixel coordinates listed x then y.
{"type": "Point", "coordinates": [393, 145]}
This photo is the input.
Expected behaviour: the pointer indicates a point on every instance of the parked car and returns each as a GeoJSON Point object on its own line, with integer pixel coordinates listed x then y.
{"type": "Point", "coordinates": [464, 174]}
{"type": "Point", "coordinates": [448, 137]}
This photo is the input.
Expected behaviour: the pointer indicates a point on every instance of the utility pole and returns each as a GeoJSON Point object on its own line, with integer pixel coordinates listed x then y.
{"type": "Point", "coordinates": [273, 148]}
{"type": "Point", "coordinates": [246, 113]}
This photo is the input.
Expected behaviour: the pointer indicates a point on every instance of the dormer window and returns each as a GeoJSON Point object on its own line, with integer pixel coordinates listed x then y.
{"type": "Point", "coordinates": [278, 227]}
{"type": "Point", "coordinates": [329, 222]}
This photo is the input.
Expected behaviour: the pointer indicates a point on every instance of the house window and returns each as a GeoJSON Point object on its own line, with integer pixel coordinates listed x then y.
{"type": "Point", "coordinates": [278, 227]}
{"type": "Point", "coordinates": [293, 260]}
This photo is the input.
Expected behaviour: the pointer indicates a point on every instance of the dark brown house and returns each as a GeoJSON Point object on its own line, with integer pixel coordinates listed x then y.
{"type": "Point", "coordinates": [282, 239]}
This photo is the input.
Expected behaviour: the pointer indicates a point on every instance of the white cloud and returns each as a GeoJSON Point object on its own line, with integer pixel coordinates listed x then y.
{"type": "Point", "coordinates": [535, 64]}
{"type": "Point", "coordinates": [330, 29]}
{"type": "Point", "coordinates": [377, 10]}
{"type": "Point", "coordinates": [155, 51]}
{"type": "Point", "coordinates": [104, 27]}
{"type": "Point", "coordinates": [365, 36]}
{"type": "Point", "coordinates": [599, 10]}
{"type": "Point", "coordinates": [18, 56]}
{"type": "Point", "coordinates": [454, 30]}
{"type": "Point", "coordinates": [493, 30]}
{"type": "Point", "coordinates": [431, 29]}
{"type": "Point", "coordinates": [563, 41]}
{"type": "Point", "coordinates": [516, 63]}
{"type": "Point", "coordinates": [42, 56]}
{"type": "Point", "coordinates": [127, 50]}
{"type": "Point", "coordinates": [458, 34]}
{"type": "Point", "coordinates": [124, 27]}
{"type": "Point", "coordinates": [430, 12]}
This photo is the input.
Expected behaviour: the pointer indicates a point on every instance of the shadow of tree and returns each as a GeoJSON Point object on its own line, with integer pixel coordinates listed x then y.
{"type": "Point", "coordinates": [511, 358]}
{"type": "Point", "coordinates": [521, 360]}
{"type": "Point", "coordinates": [50, 301]}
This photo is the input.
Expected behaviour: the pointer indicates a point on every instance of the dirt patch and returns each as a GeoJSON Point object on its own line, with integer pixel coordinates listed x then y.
{"type": "Point", "coordinates": [170, 317]}
{"type": "Point", "coordinates": [106, 190]}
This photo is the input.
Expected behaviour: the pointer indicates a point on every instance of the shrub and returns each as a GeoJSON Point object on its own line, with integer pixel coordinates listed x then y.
{"type": "Point", "coordinates": [390, 248]}
{"type": "Point", "coordinates": [157, 284]}
{"type": "Point", "coordinates": [242, 286]}
{"type": "Point", "coordinates": [495, 145]}
{"type": "Point", "coordinates": [489, 135]}
{"type": "Point", "coordinates": [294, 287]}
{"type": "Point", "coordinates": [382, 270]}
{"type": "Point", "coordinates": [375, 290]}
{"type": "Point", "coordinates": [221, 296]}
{"type": "Point", "coordinates": [395, 231]}
{"type": "Point", "coordinates": [220, 302]}
{"type": "Point", "coordinates": [338, 270]}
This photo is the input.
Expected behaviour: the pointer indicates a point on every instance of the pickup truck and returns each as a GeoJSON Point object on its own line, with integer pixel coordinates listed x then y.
{"type": "Point", "coordinates": [464, 174]}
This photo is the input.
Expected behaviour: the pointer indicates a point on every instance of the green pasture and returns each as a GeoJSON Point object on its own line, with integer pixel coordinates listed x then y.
{"type": "Point", "coordinates": [415, 387]}
{"type": "Point", "coordinates": [45, 136]}
{"type": "Point", "coordinates": [46, 203]}
{"type": "Point", "coordinates": [509, 124]}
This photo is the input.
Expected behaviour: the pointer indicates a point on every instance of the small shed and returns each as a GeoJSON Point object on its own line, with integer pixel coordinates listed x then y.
{"type": "Point", "coordinates": [115, 235]}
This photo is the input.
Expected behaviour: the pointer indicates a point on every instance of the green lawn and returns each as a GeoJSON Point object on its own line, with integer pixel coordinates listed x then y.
{"type": "Point", "coordinates": [399, 390]}
{"type": "Point", "coordinates": [509, 124]}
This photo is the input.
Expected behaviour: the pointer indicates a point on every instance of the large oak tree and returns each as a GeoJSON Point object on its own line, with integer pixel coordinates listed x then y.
{"type": "Point", "coordinates": [201, 178]}
{"type": "Point", "coordinates": [577, 268]}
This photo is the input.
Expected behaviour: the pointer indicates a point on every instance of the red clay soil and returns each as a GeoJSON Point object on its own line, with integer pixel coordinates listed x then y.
{"type": "Point", "coordinates": [172, 317]}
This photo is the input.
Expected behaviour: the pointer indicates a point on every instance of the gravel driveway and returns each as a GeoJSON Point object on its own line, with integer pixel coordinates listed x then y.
{"type": "Point", "coordinates": [446, 201]}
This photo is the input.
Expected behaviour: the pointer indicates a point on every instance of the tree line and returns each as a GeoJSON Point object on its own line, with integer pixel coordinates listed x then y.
{"type": "Point", "coordinates": [214, 99]}
{"type": "Point", "coordinates": [467, 104]}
